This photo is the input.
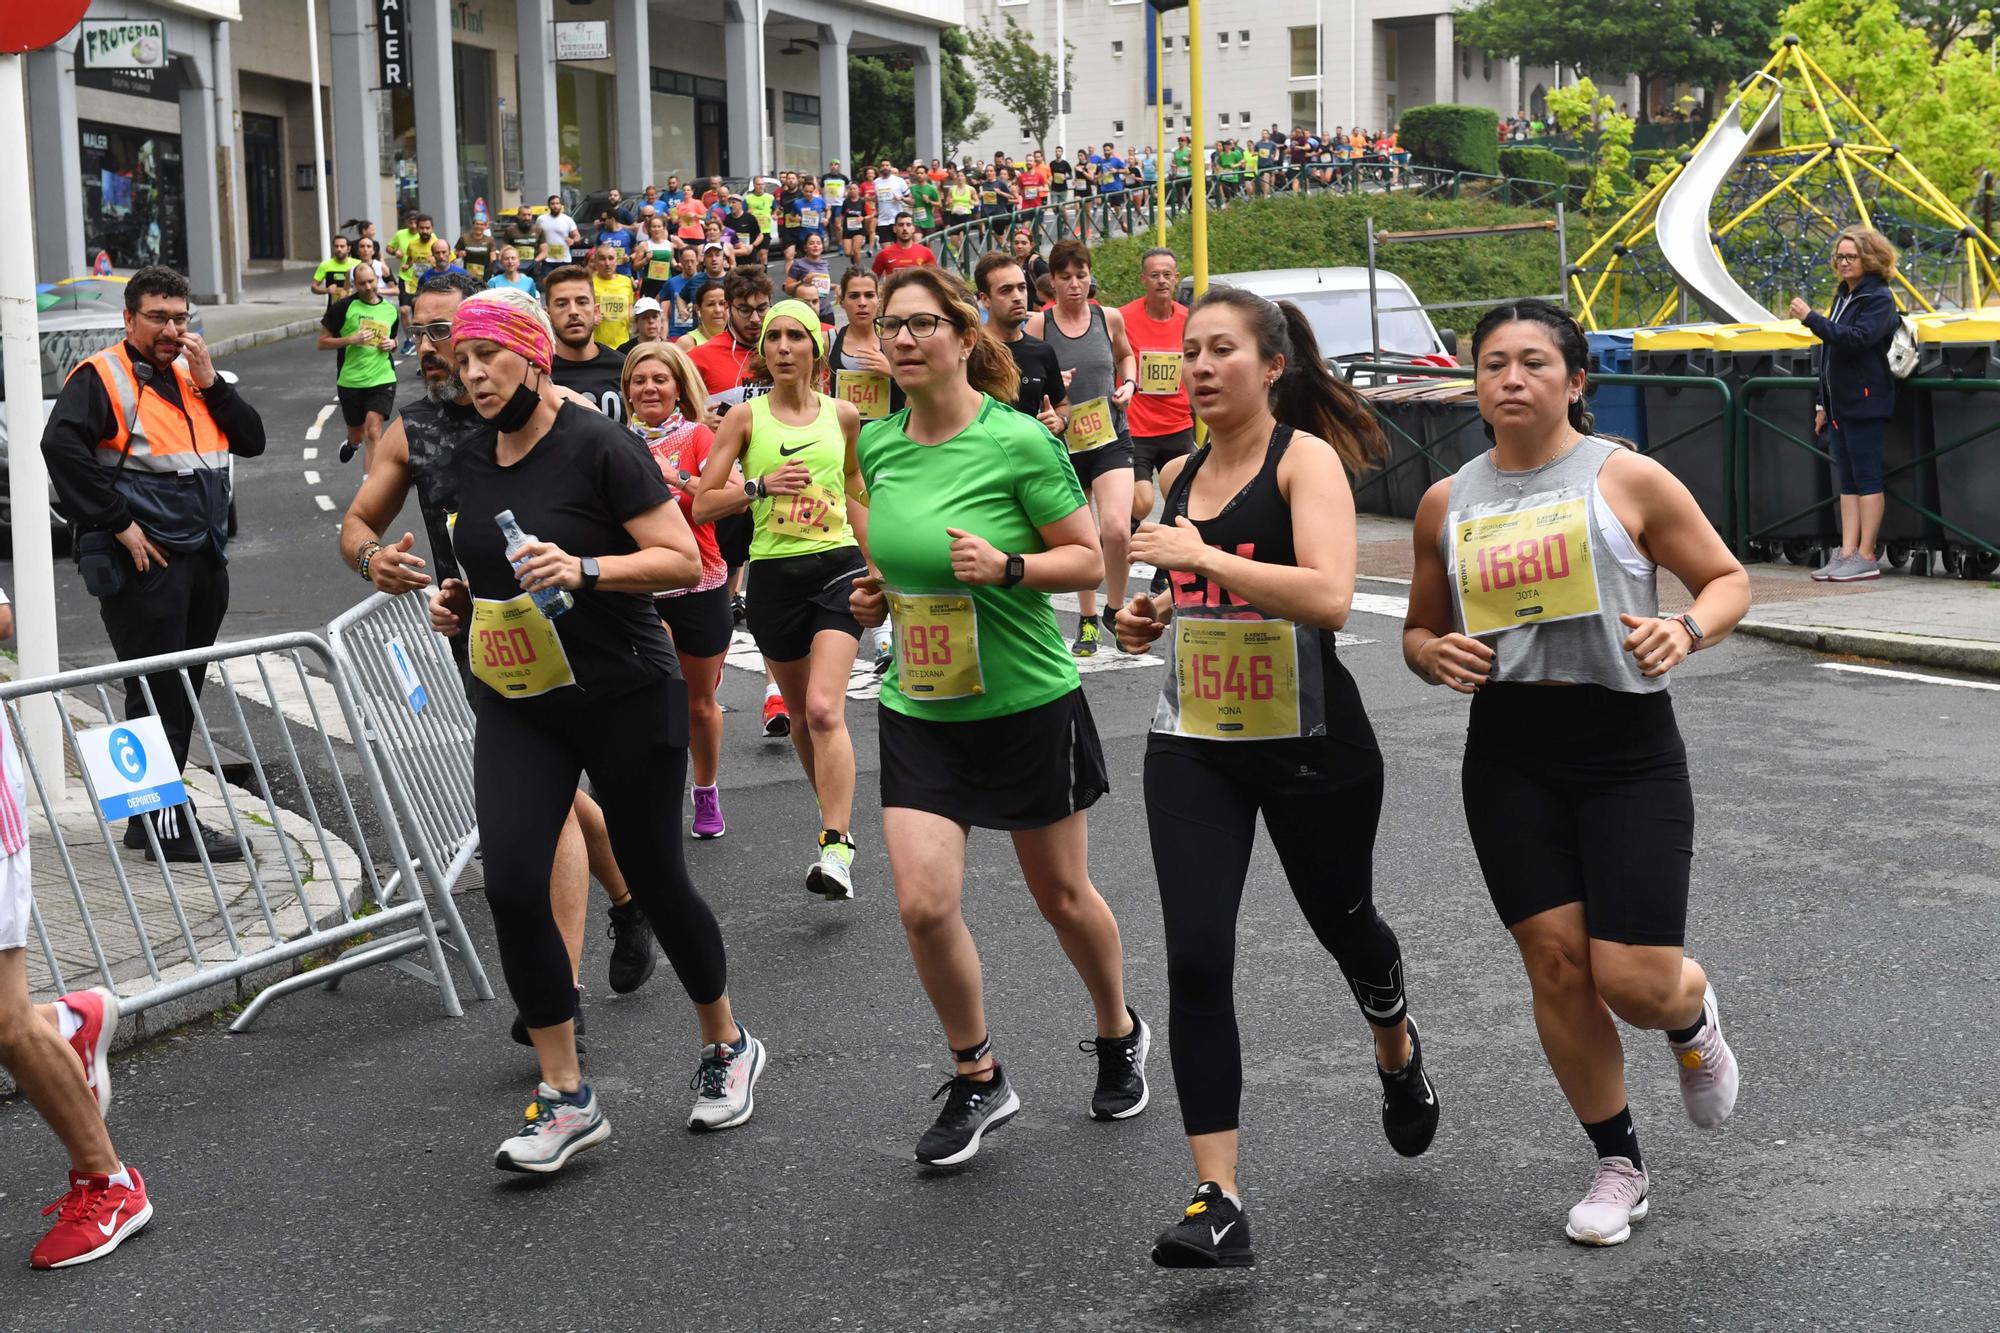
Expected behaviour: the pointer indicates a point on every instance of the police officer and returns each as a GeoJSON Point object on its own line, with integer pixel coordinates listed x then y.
{"type": "Point", "coordinates": [138, 447]}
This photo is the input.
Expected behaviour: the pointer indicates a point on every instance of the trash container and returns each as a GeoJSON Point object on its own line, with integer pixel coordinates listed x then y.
{"type": "Point", "coordinates": [1397, 486]}
{"type": "Point", "coordinates": [1783, 478]}
{"type": "Point", "coordinates": [1964, 346]}
{"type": "Point", "coordinates": [1454, 432]}
{"type": "Point", "coordinates": [1620, 409]}
{"type": "Point", "coordinates": [1688, 427]}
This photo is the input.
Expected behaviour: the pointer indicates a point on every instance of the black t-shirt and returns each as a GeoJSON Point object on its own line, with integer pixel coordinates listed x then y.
{"type": "Point", "coordinates": [1041, 375]}
{"type": "Point", "coordinates": [1059, 174]}
{"type": "Point", "coordinates": [597, 379]}
{"type": "Point", "coordinates": [576, 488]}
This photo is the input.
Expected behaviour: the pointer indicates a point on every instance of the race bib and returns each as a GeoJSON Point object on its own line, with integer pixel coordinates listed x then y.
{"type": "Point", "coordinates": [937, 645]}
{"type": "Point", "coordinates": [1160, 372]}
{"type": "Point", "coordinates": [1524, 567]}
{"type": "Point", "coordinates": [868, 390]}
{"type": "Point", "coordinates": [1237, 680]}
{"type": "Point", "coordinates": [659, 270]}
{"type": "Point", "coordinates": [1091, 426]}
{"type": "Point", "coordinates": [558, 253]}
{"type": "Point", "coordinates": [377, 331]}
{"type": "Point", "coordinates": [989, 198]}
{"type": "Point", "coordinates": [812, 513]}
{"type": "Point", "coordinates": [515, 649]}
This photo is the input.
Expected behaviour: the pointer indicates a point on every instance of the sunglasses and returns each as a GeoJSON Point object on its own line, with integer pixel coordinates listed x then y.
{"type": "Point", "coordinates": [437, 331]}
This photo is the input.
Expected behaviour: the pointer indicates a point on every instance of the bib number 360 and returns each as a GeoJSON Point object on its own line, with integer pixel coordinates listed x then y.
{"type": "Point", "coordinates": [515, 649]}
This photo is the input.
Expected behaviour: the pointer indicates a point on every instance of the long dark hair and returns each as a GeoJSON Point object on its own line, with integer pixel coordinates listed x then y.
{"type": "Point", "coordinates": [1308, 395]}
{"type": "Point", "coordinates": [1564, 332]}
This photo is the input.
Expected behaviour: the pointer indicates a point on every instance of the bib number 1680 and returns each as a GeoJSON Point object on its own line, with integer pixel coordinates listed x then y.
{"type": "Point", "coordinates": [1523, 563]}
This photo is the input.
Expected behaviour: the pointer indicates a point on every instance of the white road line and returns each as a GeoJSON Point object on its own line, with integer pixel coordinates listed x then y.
{"type": "Point", "coordinates": [310, 454]}
{"type": "Point", "coordinates": [1378, 604]}
{"type": "Point", "coordinates": [319, 422]}
{"type": "Point", "coordinates": [323, 503]}
{"type": "Point", "coordinates": [1907, 675]}
{"type": "Point", "coordinates": [286, 693]}
{"type": "Point", "coordinates": [312, 477]}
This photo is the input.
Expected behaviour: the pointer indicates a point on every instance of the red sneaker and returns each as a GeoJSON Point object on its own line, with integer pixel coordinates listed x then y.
{"type": "Point", "coordinates": [95, 1218]}
{"type": "Point", "coordinates": [777, 718]}
{"type": "Point", "coordinates": [98, 1008]}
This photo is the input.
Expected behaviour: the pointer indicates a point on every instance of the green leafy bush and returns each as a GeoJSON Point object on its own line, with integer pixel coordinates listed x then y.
{"type": "Point", "coordinates": [1534, 164]}
{"type": "Point", "coordinates": [1461, 138]}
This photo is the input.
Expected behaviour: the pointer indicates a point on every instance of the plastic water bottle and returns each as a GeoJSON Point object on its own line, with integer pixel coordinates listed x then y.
{"type": "Point", "coordinates": [551, 602]}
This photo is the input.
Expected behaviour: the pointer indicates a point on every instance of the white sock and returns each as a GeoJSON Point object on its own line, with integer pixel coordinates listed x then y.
{"type": "Point", "coordinates": [709, 787]}
{"type": "Point", "coordinates": [1233, 1199]}
{"type": "Point", "coordinates": [122, 1177]}
{"type": "Point", "coordinates": [771, 689]}
{"type": "Point", "coordinates": [68, 1021]}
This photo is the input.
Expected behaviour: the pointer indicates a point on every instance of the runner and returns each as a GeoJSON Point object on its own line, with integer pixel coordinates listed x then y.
{"type": "Point", "coordinates": [661, 384]}
{"type": "Point", "coordinates": [762, 205]}
{"type": "Point", "coordinates": [1162, 425]}
{"type": "Point", "coordinates": [417, 450]}
{"type": "Point", "coordinates": [366, 254]}
{"type": "Point", "coordinates": [809, 278]}
{"type": "Point", "coordinates": [860, 372]}
{"type": "Point", "coordinates": [601, 693]}
{"type": "Point", "coordinates": [360, 331]}
{"type": "Point", "coordinates": [1575, 779]}
{"type": "Point", "coordinates": [559, 238]}
{"type": "Point", "coordinates": [983, 719]}
{"type": "Point", "coordinates": [410, 248]}
{"type": "Point", "coordinates": [960, 200]}
{"type": "Point", "coordinates": [649, 324]}
{"type": "Point", "coordinates": [1003, 290]}
{"type": "Point", "coordinates": [655, 258]}
{"type": "Point", "coordinates": [712, 307]}
{"type": "Point", "coordinates": [1023, 249]}
{"type": "Point", "coordinates": [925, 200]}
{"type": "Point", "coordinates": [1033, 183]}
{"type": "Point", "coordinates": [612, 293]}
{"type": "Point", "coordinates": [1098, 364]}
{"type": "Point", "coordinates": [475, 249]}
{"type": "Point", "coordinates": [683, 291]}
{"type": "Point", "coordinates": [583, 365]}
{"type": "Point", "coordinates": [331, 278]}
{"type": "Point", "coordinates": [510, 274]}
{"type": "Point", "coordinates": [905, 251]}
{"type": "Point", "coordinates": [1258, 714]}
{"type": "Point", "coordinates": [806, 499]}
{"type": "Point", "coordinates": [857, 216]}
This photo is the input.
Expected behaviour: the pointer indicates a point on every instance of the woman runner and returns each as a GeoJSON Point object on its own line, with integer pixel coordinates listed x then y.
{"type": "Point", "coordinates": [712, 310]}
{"type": "Point", "coordinates": [594, 689]}
{"type": "Point", "coordinates": [660, 384]}
{"type": "Point", "coordinates": [1575, 778]}
{"type": "Point", "coordinates": [805, 496]}
{"type": "Point", "coordinates": [979, 518]}
{"type": "Point", "coordinates": [1258, 714]}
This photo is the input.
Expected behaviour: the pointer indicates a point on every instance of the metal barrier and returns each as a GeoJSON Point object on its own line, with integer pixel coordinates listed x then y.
{"type": "Point", "coordinates": [417, 724]}
{"type": "Point", "coordinates": [307, 883]}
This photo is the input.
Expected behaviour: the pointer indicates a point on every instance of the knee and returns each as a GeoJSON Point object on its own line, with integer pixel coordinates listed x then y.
{"type": "Point", "coordinates": [825, 713]}
{"type": "Point", "coordinates": [1116, 535]}
{"type": "Point", "coordinates": [926, 914]}
{"type": "Point", "coordinates": [1068, 905]}
{"type": "Point", "coordinates": [19, 1024]}
{"type": "Point", "coordinates": [1199, 980]}
{"type": "Point", "coordinates": [1558, 969]}
{"type": "Point", "coordinates": [704, 709]}
{"type": "Point", "coordinates": [1647, 998]}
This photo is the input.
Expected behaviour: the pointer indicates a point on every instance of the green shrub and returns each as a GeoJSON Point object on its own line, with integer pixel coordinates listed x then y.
{"type": "Point", "coordinates": [1534, 164]}
{"type": "Point", "coordinates": [1460, 138]}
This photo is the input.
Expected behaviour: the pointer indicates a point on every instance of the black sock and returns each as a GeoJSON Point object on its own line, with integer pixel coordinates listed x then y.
{"type": "Point", "coordinates": [1616, 1137]}
{"type": "Point", "coordinates": [1688, 1034]}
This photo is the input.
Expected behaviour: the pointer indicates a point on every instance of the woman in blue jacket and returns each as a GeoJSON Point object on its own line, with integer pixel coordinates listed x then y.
{"type": "Point", "coordinates": [1856, 395]}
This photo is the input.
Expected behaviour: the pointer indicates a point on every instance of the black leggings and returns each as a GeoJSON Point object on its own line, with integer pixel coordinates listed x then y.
{"type": "Point", "coordinates": [1203, 822]}
{"type": "Point", "coordinates": [526, 760]}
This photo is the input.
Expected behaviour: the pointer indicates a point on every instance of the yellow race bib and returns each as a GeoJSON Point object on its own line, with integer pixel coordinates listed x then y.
{"type": "Point", "coordinates": [515, 649]}
{"type": "Point", "coordinates": [937, 645]}
{"type": "Point", "coordinates": [659, 270]}
{"type": "Point", "coordinates": [1238, 679]}
{"type": "Point", "coordinates": [1159, 372]}
{"type": "Point", "coordinates": [868, 390]}
{"type": "Point", "coordinates": [1091, 426]}
{"type": "Point", "coordinates": [1524, 567]}
{"type": "Point", "coordinates": [812, 513]}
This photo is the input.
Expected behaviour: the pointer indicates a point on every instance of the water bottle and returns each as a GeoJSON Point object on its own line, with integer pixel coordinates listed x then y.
{"type": "Point", "coordinates": [551, 602]}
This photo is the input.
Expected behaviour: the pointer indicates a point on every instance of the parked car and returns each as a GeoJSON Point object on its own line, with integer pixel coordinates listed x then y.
{"type": "Point", "coordinates": [1335, 302]}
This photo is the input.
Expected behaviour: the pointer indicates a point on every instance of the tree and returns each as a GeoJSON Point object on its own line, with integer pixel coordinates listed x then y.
{"type": "Point", "coordinates": [882, 101]}
{"type": "Point", "coordinates": [1020, 78]}
{"type": "Point", "coordinates": [963, 121]}
{"type": "Point", "coordinates": [1593, 121]}
{"type": "Point", "coordinates": [1947, 21]}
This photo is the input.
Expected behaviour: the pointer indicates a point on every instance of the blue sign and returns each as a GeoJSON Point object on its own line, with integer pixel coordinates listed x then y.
{"type": "Point", "coordinates": [125, 768]}
{"type": "Point", "coordinates": [406, 676]}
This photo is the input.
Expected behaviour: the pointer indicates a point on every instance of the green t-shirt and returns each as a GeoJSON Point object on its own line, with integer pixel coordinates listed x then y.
{"type": "Point", "coordinates": [1003, 478]}
{"type": "Point", "coordinates": [363, 366]}
{"type": "Point", "coordinates": [329, 267]}
{"type": "Point", "coordinates": [760, 206]}
{"type": "Point", "coordinates": [924, 197]}
{"type": "Point", "coordinates": [1231, 163]}
{"type": "Point", "coordinates": [1183, 161]}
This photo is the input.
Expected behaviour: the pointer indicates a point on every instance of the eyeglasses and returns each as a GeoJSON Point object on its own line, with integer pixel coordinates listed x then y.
{"type": "Point", "coordinates": [752, 311]}
{"type": "Point", "coordinates": [920, 326]}
{"type": "Point", "coordinates": [179, 321]}
{"type": "Point", "coordinates": [437, 331]}
{"type": "Point", "coordinates": [1847, 259]}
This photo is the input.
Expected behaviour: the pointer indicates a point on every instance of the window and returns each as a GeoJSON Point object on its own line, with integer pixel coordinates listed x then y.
{"type": "Point", "coordinates": [1222, 120]}
{"type": "Point", "coordinates": [1243, 118]}
{"type": "Point", "coordinates": [1222, 39]}
{"type": "Point", "coordinates": [1117, 127]}
{"type": "Point", "coordinates": [1389, 57]}
{"type": "Point", "coordinates": [1486, 66]}
{"type": "Point", "coordinates": [1117, 50]}
{"type": "Point", "coordinates": [1465, 62]}
{"type": "Point", "coordinates": [1305, 52]}
{"type": "Point", "coordinates": [1305, 108]}
{"type": "Point", "coordinates": [1243, 37]}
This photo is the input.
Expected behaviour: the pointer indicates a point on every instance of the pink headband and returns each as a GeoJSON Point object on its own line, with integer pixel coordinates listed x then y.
{"type": "Point", "coordinates": [498, 322]}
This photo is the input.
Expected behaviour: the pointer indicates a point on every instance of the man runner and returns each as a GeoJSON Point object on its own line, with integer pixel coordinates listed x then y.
{"type": "Point", "coordinates": [582, 364]}
{"type": "Point", "coordinates": [1004, 292]}
{"type": "Point", "coordinates": [1162, 424]}
{"type": "Point", "coordinates": [361, 331]}
{"type": "Point", "coordinates": [906, 251]}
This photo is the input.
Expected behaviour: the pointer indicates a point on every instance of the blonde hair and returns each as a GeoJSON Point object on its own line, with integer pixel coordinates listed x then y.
{"type": "Point", "coordinates": [1878, 256]}
{"type": "Point", "coordinates": [991, 368]}
{"type": "Point", "coordinates": [690, 393]}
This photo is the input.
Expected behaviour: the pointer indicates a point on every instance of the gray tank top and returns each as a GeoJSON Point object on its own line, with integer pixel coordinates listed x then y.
{"type": "Point", "coordinates": [1090, 357]}
{"type": "Point", "coordinates": [1541, 569]}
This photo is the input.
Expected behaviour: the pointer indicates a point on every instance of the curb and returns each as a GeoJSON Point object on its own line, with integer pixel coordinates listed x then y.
{"type": "Point", "coordinates": [243, 342]}
{"type": "Point", "coordinates": [1974, 655]}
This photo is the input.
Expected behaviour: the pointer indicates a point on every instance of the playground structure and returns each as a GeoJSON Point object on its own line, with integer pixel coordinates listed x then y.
{"type": "Point", "coordinates": [1746, 219]}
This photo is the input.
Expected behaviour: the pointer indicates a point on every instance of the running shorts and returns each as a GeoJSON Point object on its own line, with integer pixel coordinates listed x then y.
{"type": "Point", "coordinates": [700, 622]}
{"type": "Point", "coordinates": [732, 538]}
{"type": "Point", "coordinates": [1150, 453]}
{"type": "Point", "coordinates": [1096, 462]}
{"type": "Point", "coordinates": [1580, 794]}
{"type": "Point", "coordinates": [1018, 771]}
{"type": "Point", "coordinates": [792, 598]}
{"type": "Point", "coordinates": [356, 404]}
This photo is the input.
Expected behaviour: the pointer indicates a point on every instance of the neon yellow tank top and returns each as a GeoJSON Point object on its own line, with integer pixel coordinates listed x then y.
{"type": "Point", "coordinates": [815, 520]}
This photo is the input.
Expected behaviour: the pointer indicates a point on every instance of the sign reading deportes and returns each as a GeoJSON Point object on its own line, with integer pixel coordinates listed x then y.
{"type": "Point", "coordinates": [392, 43]}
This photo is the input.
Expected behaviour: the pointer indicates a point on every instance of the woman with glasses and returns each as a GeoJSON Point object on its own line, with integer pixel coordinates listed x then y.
{"type": "Point", "coordinates": [1857, 394]}
{"type": "Point", "coordinates": [978, 517]}
{"type": "Point", "coordinates": [804, 494]}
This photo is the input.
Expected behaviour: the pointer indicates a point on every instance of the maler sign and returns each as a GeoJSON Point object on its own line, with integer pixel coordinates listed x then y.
{"type": "Point", "coordinates": [392, 43]}
{"type": "Point", "coordinates": [32, 26]}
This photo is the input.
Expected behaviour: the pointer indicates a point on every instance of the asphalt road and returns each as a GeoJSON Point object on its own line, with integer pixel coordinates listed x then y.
{"type": "Point", "coordinates": [332, 1168]}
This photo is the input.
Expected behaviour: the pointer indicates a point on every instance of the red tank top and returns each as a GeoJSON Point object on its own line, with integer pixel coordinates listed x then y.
{"type": "Point", "coordinates": [1154, 414]}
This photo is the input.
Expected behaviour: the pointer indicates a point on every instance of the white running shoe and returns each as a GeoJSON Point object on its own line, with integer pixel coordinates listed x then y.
{"type": "Point", "coordinates": [726, 1083]}
{"type": "Point", "coordinates": [1707, 1069]}
{"type": "Point", "coordinates": [1616, 1199]}
{"type": "Point", "coordinates": [832, 876]}
{"type": "Point", "coordinates": [555, 1127]}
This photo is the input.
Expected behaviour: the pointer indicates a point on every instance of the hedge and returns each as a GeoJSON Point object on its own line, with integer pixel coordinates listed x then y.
{"type": "Point", "coordinates": [1460, 138]}
{"type": "Point", "coordinates": [1534, 164]}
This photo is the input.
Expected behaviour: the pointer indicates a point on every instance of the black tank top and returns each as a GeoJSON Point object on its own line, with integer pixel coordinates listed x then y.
{"type": "Point", "coordinates": [1256, 524]}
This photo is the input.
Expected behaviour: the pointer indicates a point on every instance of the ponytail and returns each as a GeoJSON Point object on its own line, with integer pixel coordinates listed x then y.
{"type": "Point", "coordinates": [991, 368]}
{"type": "Point", "coordinates": [1310, 397]}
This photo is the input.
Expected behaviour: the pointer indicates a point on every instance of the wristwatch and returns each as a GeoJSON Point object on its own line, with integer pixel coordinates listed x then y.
{"type": "Point", "coordinates": [1017, 569]}
{"type": "Point", "coordinates": [590, 572]}
{"type": "Point", "coordinates": [1694, 630]}
{"type": "Point", "coordinates": [754, 488]}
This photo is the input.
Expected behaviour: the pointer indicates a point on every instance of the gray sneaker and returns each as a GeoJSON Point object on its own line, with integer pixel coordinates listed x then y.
{"type": "Point", "coordinates": [1834, 561]}
{"type": "Point", "coordinates": [1857, 568]}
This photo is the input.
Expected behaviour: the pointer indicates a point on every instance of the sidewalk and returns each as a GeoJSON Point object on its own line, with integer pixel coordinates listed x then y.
{"type": "Point", "coordinates": [275, 306]}
{"type": "Point", "coordinates": [1938, 621]}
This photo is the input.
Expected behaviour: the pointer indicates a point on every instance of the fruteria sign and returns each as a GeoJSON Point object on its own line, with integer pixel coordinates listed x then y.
{"type": "Point", "coordinates": [123, 44]}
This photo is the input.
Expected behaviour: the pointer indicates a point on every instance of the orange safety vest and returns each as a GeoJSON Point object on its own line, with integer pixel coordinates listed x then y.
{"type": "Point", "coordinates": [161, 437]}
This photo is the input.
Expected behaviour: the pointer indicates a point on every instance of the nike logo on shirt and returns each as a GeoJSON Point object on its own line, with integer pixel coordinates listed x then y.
{"type": "Point", "coordinates": [787, 453]}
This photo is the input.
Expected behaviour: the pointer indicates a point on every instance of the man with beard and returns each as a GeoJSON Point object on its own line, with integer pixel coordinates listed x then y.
{"type": "Point", "coordinates": [582, 364]}
{"type": "Point", "coordinates": [418, 450]}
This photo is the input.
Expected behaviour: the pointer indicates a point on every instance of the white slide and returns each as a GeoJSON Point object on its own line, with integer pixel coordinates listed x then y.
{"type": "Point", "coordinates": [1681, 221]}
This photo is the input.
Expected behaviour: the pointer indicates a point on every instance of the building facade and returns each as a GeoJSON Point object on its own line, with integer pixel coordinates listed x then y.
{"type": "Point", "coordinates": [443, 105]}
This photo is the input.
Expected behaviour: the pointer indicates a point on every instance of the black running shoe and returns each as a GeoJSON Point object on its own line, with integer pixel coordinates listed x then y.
{"type": "Point", "coordinates": [1212, 1233]}
{"type": "Point", "coordinates": [1121, 1071]}
{"type": "Point", "coordinates": [633, 956]}
{"type": "Point", "coordinates": [519, 1032]}
{"type": "Point", "coordinates": [348, 449]}
{"type": "Point", "coordinates": [1409, 1103]}
{"type": "Point", "coordinates": [971, 1109]}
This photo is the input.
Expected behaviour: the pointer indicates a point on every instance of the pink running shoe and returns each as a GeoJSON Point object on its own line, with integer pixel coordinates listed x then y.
{"type": "Point", "coordinates": [1707, 1069]}
{"type": "Point", "coordinates": [708, 813]}
{"type": "Point", "coordinates": [1616, 1199]}
{"type": "Point", "coordinates": [98, 1008]}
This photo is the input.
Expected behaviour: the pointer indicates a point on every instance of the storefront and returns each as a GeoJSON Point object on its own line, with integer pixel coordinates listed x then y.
{"type": "Point", "coordinates": [587, 126]}
{"type": "Point", "coordinates": [133, 205]}
{"type": "Point", "coordinates": [799, 141]}
{"type": "Point", "coordinates": [477, 108]}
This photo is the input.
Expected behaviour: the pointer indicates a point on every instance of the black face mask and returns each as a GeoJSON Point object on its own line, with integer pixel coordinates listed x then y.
{"type": "Point", "coordinates": [519, 408]}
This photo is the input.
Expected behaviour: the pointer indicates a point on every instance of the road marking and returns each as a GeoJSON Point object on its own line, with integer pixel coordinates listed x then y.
{"type": "Point", "coordinates": [1907, 675]}
{"type": "Point", "coordinates": [319, 422]}
{"type": "Point", "coordinates": [294, 702]}
{"type": "Point", "coordinates": [312, 477]}
{"type": "Point", "coordinates": [311, 454]}
{"type": "Point", "coordinates": [1378, 604]}
{"type": "Point", "coordinates": [323, 503]}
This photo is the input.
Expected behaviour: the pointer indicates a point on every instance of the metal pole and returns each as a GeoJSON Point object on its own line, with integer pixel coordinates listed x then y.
{"type": "Point", "coordinates": [1161, 163]}
{"type": "Point", "coordinates": [1197, 152]}
{"type": "Point", "coordinates": [1319, 67]}
{"type": "Point", "coordinates": [1562, 256]}
{"type": "Point", "coordinates": [1353, 62]}
{"type": "Point", "coordinates": [319, 134]}
{"type": "Point", "coordinates": [34, 590]}
{"type": "Point", "coordinates": [1062, 81]}
{"type": "Point", "coordinates": [1374, 319]}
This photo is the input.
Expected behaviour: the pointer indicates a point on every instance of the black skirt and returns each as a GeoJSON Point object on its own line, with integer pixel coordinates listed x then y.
{"type": "Point", "coordinates": [1020, 771]}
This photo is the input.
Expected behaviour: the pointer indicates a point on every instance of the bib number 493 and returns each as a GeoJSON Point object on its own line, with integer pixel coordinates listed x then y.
{"type": "Point", "coordinates": [927, 645]}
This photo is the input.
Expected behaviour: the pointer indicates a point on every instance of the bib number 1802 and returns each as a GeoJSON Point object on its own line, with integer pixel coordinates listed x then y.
{"type": "Point", "coordinates": [1523, 563]}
